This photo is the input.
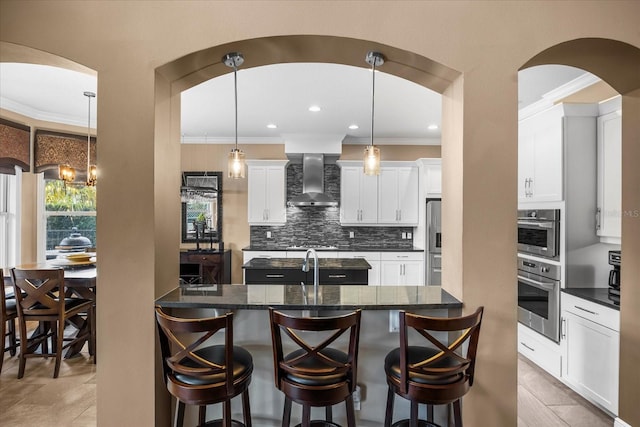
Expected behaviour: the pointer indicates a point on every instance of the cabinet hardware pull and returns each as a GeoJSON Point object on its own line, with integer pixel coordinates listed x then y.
{"type": "Point", "coordinates": [532, 349]}
{"type": "Point", "coordinates": [275, 276]}
{"type": "Point", "coordinates": [598, 215]}
{"type": "Point", "coordinates": [564, 328]}
{"type": "Point", "coordinates": [399, 214]}
{"type": "Point", "coordinates": [337, 276]}
{"type": "Point", "coordinates": [588, 311]}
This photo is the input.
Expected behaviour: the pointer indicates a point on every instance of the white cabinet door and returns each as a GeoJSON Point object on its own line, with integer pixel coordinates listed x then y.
{"type": "Point", "coordinates": [267, 193]}
{"type": "Point", "coordinates": [590, 363]}
{"type": "Point", "coordinates": [609, 194]}
{"type": "Point", "coordinates": [540, 156]}
{"type": "Point", "coordinates": [402, 268]}
{"type": "Point", "coordinates": [398, 196]}
{"type": "Point", "coordinates": [358, 197]}
{"type": "Point", "coordinates": [433, 178]}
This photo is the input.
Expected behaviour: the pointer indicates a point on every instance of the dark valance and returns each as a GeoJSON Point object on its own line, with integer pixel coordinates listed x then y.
{"type": "Point", "coordinates": [14, 147]}
{"type": "Point", "coordinates": [53, 149]}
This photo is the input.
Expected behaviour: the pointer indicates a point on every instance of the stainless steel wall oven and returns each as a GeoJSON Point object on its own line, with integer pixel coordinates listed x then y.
{"type": "Point", "coordinates": [539, 232]}
{"type": "Point", "coordinates": [539, 297]}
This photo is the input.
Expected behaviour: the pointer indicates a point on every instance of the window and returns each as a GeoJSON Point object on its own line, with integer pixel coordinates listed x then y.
{"type": "Point", "coordinates": [9, 219]}
{"type": "Point", "coordinates": [68, 209]}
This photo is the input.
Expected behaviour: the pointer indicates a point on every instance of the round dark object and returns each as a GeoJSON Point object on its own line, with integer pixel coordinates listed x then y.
{"type": "Point", "coordinates": [76, 239]}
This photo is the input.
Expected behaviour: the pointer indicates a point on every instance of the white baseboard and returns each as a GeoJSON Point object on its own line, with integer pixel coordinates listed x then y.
{"type": "Point", "coordinates": [619, 423]}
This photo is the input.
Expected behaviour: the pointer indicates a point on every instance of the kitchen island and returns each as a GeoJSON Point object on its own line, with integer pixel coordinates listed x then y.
{"type": "Point", "coordinates": [379, 306]}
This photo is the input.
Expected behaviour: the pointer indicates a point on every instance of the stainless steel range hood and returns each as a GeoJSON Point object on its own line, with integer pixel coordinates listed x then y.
{"type": "Point", "coordinates": [312, 183]}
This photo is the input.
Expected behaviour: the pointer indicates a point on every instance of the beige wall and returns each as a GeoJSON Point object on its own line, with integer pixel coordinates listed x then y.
{"type": "Point", "coordinates": [486, 42]}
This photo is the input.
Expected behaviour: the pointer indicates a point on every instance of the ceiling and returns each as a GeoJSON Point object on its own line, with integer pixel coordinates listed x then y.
{"type": "Point", "coordinates": [279, 94]}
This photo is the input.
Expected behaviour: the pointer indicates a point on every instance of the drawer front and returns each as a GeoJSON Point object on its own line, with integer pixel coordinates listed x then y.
{"type": "Point", "coordinates": [210, 259]}
{"type": "Point", "coordinates": [402, 256]}
{"type": "Point", "coordinates": [541, 351]}
{"type": "Point", "coordinates": [367, 256]}
{"type": "Point", "coordinates": [342, 277]}
{"type": "Point", "coordinates": [258, 276]}
{"type": "Point", "coordinates": [607, 317]}
{"type": "Point", "coordinates": [249, 255]}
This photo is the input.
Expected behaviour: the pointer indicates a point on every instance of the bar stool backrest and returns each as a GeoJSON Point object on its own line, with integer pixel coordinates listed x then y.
{"type": "Point", "coordinates": [451, 359]}
{"type": "Point", "coordinates": [293, 326]}
{"type": "Point", "coordinates": [180, 340]}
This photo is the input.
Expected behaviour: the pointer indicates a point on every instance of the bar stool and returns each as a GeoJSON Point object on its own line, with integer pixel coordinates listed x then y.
{"type": "Point", "coordinates": [433, 375]}
{"type": "Point", "coordinates": [315, 375]}
{"type": "Point", "coordinates": [204, 375]}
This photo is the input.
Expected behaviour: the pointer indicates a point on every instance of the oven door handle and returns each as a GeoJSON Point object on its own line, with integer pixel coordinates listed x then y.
{"type": "Point", "coordinates": [540, 285]}
{"type": "Point", "coordinates": [546, 224]}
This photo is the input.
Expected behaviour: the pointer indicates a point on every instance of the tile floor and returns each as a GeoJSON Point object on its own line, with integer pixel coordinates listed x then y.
{"type": "Point", "coordinates": [70, 400]}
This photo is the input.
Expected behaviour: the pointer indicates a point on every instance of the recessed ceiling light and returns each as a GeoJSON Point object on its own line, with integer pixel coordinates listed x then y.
{"type": "Point", "coordinates": [314, 108]}
{"type": "Point", "coordinates": [272, 126]}
{"type": "Point", "coordinates": [354, 127]}
{"type": "Point", "coordinates": [432, 127]}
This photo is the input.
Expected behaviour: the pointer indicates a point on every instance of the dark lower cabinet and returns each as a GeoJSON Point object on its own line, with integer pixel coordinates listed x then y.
{"type": "Point", "coordinates": [208, 267]}
{"type": "Point", "coordinates": [295, 276]}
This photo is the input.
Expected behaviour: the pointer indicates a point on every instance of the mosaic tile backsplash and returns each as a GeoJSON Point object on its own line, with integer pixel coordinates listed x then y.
{"type": "Point", "coordinates": [320, 226]}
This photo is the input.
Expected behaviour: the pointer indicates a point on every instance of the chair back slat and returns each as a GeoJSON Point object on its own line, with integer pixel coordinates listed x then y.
{"type": "Point", "coordinates": [451, 358]}
{"type": "Point", "coordinates": [181, 338]}
{"type": "Point", "coordinates": [335, 326]}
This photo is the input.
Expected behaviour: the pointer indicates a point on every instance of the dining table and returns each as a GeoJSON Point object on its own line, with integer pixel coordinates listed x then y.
{"type": "Point", "coordinates": [80, 281]}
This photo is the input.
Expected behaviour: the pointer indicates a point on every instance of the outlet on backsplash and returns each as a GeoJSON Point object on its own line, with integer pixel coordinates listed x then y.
{"type": "Point", "coordinates": [268, 234]}
{"type": "Point", "coordinates": [352, 235]}
{"type": "Point", "coordinates": [404, 235]}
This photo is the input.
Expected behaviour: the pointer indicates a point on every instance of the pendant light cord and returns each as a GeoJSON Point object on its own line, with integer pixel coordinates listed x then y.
{"type": "Point", "coordinates": [235, 89]}
{"type": "Point", "coordinates": [373, 95]}
{"type": "Point", "coordinates": [88, 135]}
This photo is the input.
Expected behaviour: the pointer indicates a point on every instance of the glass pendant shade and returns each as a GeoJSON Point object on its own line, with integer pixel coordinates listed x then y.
{"type": "Point", "coordinates": [66, 173]}
{"type": "Point", "coordinates": [371, 160]}
{"type": "Point", "coordinates": [92, 176]}
{"type": "Point", "coordinates": [236, 164]}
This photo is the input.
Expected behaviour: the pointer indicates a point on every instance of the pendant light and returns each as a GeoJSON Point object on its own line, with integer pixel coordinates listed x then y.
{"type": "Point", "coordinates": [66, 173]}
{"type": "Point", "coordinates": [236, 157]}
{"type": "Point", "coordinates": [92, 170]}
{"type": "Point", "coordinates": [372, 153]}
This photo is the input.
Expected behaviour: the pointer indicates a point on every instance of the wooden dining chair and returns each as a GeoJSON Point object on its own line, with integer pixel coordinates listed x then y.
{"type": "Point", "coordinates": [316, 374]}
{"type": "Point", "coordinates": [199, 374]}
{"type": "Point", "coordinates": [40, 298]}
{"type": "Point", "coordinates": [8, 316]}
{"type": "Point", "coordinates": [436, 374]}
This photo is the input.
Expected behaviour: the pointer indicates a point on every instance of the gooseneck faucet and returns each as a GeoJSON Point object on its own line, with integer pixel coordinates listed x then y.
{"type": "Point", "coordinates": [305, 268]}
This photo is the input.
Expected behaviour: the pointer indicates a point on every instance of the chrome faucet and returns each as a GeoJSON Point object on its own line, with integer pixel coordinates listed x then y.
{"type": "Point", "coordinates": [305, 268]}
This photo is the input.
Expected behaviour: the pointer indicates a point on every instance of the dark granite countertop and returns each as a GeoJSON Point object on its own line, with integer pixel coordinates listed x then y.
{"type": "Point", "coordinates": [296, 264]}
{"type": "Point", "coordinates": [290, 297]}
{"type": "Point", "coordinates": [334, 249]}
{"type": "Point", "coordinates": [597, 295]}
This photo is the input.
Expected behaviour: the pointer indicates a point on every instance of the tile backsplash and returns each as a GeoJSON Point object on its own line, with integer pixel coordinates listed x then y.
{"type": "Point", "coordinates": [320, 226]}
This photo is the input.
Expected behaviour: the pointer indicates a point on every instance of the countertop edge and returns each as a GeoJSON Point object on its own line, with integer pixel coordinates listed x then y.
{"type": "Point", "coordinates": [250, 249]}
{"type": "Point", "coordinates": [589, 295]}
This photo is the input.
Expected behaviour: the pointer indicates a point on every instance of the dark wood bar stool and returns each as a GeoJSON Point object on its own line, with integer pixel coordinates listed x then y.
{"type": "Point", "coordinates": [8, 316]}
{"type": "Point", "coordinates": [201, 375]}
{"type": "Point", "coordinates": [316, 375]}
{"type": "Point", "coordinates": [435, 375]}
{"type": "Point", "coordinates": [40, 298]}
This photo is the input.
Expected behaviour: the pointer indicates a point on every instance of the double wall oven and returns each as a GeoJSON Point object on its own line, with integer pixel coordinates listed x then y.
{"type": "Point", "coordinates": [538, 276]}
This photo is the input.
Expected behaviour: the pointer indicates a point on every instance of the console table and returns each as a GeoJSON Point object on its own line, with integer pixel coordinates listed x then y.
{"type": "Point", "coordinates": [205, 266]}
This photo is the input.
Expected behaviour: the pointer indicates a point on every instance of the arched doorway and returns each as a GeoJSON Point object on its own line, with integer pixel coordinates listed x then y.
{"type": "Point", "coordinates": [618, 64]}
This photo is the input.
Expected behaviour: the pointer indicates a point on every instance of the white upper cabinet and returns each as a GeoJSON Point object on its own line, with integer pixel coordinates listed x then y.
{"type": "Point", "coordinates": [556, 148]}
{"type": "Point", "coordinates": [358, 197]}
{"type": "Point", "coordinates": [609, 196]}
{"type": "Point", "coordinates": [540, 157]}
{"type": "Point", "coordinates": [432, 177]}
{"type": "Point", "coordinates": [398, 195]}
{"type": "Point", "coordinates": [267, 192]}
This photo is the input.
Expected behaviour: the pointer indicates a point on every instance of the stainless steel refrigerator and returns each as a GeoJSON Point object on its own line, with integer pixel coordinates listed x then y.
{"type": "Point", "coordinates": [434, 242]}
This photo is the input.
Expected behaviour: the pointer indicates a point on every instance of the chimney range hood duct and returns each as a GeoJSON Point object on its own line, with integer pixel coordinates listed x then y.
{"type": "Point", "coordinates": [312, 183]}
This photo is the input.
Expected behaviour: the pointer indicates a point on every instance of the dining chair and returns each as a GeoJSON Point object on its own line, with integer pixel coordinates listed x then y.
{"type": "Point", "coordinates": [8, 317]}
{"type": "Point", "coordinates": [437, 374]}
{"type": "Point", "coordinates": [199, 374]}
{"type": "Point", "coordinates": [319, 372]}
{"type": "Point", "coordinates": [40, 297]}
